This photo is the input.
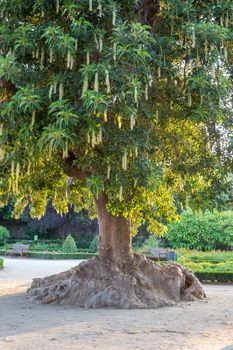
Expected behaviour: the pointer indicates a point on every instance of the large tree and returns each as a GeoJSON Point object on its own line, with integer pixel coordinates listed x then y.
{"type": "Point", "coordinates": [131, 99]}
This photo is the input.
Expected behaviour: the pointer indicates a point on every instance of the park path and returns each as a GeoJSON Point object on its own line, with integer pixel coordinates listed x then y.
{"type": "Point", "coordinates": [202, 325]}
{"type": "Point", "coordinates": [26, 268]}
{"type": "Point", "coordinates": [19, 272]}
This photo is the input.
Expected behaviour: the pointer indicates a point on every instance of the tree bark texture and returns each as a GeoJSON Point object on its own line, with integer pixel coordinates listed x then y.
{"type": "Point", "coordinates": [114, 232]}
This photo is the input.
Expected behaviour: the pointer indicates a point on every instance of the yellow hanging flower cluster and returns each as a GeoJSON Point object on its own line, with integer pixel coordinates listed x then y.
{"type": "Point", "coordinates": [38, 206]}
{"type": "Point", "coordinates": [124, 161]}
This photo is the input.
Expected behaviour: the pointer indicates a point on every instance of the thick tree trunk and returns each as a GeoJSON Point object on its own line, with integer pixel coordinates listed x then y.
{"type": "Point", "coordinates": [115, 237]}
{"type": "Point", "coordinates": [118, 277]}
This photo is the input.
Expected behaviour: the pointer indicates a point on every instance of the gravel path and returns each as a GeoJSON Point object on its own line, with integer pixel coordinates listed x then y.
{"type": "Point", "coordinates": [202, 325]}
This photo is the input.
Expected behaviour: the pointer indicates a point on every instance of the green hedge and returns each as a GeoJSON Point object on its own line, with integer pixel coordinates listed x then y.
{"type": "Point", "coordinates": [1, 264]}
{"type": "Point", "coordinates": [37, 246]}
{"type": "Point", "coordinates": [212, 261]}
{"type": "Point", "coordinates": [2, 251]}
{"type": "Point", "coordinates": [55, 256]}
{"type": "Point", "coordinates": [219, 276]}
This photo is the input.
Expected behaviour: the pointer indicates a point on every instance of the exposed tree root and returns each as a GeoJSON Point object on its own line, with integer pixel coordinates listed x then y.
{"type": "Point", "coordinates": [97, 283]}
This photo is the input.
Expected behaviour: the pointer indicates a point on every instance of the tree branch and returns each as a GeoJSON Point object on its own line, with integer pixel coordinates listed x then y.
{"type": "Point", "coordinates": [70, 170]}
{"type": "Point", "coordinates": [150, 11]}
{"type": "Point", "coordinates": [7, 89]}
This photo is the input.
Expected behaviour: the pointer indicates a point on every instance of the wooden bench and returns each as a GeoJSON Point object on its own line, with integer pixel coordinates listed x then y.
{"type": "Point", "coordinates": [157, 254]}
{"type": "Point", "coordinates": [18, 249]}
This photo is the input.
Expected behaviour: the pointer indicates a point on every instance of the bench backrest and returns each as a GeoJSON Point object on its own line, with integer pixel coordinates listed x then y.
{"type": "Point", "coordinates": [158, 252]}
{"type": "Point", "coordinates": [20, 247]}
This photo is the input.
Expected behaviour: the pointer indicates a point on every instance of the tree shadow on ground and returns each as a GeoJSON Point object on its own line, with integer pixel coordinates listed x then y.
{"type": "Point", "coordinates": [21, 316]}
{"type": "Point", "coordinates": [25, 320]}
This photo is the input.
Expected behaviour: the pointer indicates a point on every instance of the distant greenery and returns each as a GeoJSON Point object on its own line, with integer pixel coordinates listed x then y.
{"type": "Point", "coordinates": [60, 255]}
{"type": "Point", "coordinates": [4, 235]}
{"type": "Point", "coordinates": [94, 244]}
{"type": "Point", "coordinates": [214, 255]}
{"type": "Point", "coordinates": [31, 232]}
{"type": "Point", "coordinates": [45, 247]}
{"type": "Point", "coordinates": [69, 245]}
{"type": "Point", "coordinates": [51, 223]}
{"type": "Point", "coordinates": [215, 276]}
{"type": "Point", "coordinates": [6, 211]}
{"type": "Point", "coordinates": [150, 242]}
{"type": "Point", "coordinates": [1, 263]}
{"type": "Point", "coordinates": [213, 269]}
{"type": "Point", "coordinates": [84, 240]}
{"type": "Point", "coordinates": [208, 231]}
{"type": "Point", "coordinates": [207, 266]}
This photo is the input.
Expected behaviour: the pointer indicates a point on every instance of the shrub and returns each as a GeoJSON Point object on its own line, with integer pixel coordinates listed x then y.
{"type": "Point", "coordinates": [84, 240]}
{"type": "Point", "coordinates": [4, 235]}
{"type": "Point", "coordinates": [94, 245]}
{"type": "Point", "coordinates": [150, 242]}
{"type": "Point", "coordinates": [1, 263]}
{"type": "Point", "coordinates": [69, 245]}
{"type": "Point", "coordinates": [203, 231]}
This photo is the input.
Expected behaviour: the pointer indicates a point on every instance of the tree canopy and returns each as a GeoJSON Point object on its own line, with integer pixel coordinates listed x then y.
{"type": "Point", "coordinates": [129, 98]}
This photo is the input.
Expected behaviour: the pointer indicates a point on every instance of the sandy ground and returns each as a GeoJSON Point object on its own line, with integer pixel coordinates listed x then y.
{"type": "Point", "coordinates": [202, 325]}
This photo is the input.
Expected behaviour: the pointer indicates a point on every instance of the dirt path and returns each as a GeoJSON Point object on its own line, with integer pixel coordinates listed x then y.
{"type": "Point", "coordinates": [202, 325]}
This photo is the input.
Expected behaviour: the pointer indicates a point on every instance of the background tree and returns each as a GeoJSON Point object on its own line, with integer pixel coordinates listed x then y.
{"type": "Point", "coordinates": [51, 225]}
{"type": "Point", "coordinates": [205, 232]}
{"type": "Point", "coordinates": [133, 101]}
